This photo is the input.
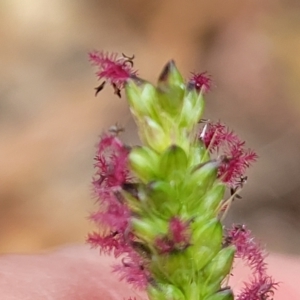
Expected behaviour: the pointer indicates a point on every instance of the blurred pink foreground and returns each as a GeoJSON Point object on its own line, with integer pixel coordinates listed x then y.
{"type": "Point", "coordinates": [78, 272]}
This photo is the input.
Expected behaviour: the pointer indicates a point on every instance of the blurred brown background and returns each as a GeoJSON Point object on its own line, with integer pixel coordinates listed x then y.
{"type": "Point", "coordinates": [50, 120]}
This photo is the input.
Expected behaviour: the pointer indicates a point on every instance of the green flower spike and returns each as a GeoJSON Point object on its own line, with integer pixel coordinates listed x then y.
{"type": "Point", "coordinates": [179, 182]}
{"type": "Point", "coordinates": [161, 204]}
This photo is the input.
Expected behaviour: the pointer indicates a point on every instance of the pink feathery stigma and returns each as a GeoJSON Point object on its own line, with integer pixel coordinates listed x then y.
{"type": "Point", "coordinates": [258, 289]}
{"type": "Point", "coordinates": [225, 143]}
{"type": "Point", "coordinates": [106, 243]}
{"type": "Point", "coordinates": [235, 164]}
{"type": "Point", "coordinates": [113, 215]}
{"type": "Point", "coordinates": [217, 135]}
{"type": "Point", "coordinates": [111, 163]}
{"type": "Point", "coordinates": [261, 286]}
{"type": "Point", "coordinates": [110, 242]}
{"type": "Point", "coordinates": [112, 68]}
{"type": "Point", "coordinates": [111, 174]}
{"type": "Point", "coordinates": [247, 248]}
{"type": "Point", "coordinates": [131, 267]}
{"type": "Point", "coordinates": [132, 271]}
{"type": "Point", "coordinates": [178, 230]}
{"type": "Point", "coordinates": [164, 245]}
{"type": "Point", "coordinates": [201, 81]}
{"type": "Point", "coordinates": [177, 238]}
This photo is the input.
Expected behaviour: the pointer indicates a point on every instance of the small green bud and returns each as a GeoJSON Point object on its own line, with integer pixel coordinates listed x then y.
{"type": "Point", "coordinates": [211, 200]}
{"type": "Point", "coordinates": [206, 240]}
{"type": "Point", "coordinates": [154, 135]}
{"type": "Point", "coordinates": [220, 266]}
{"type": "Point", "coordinates": [192, 109]}
{"type": "Point", "coordinates": [173, 163]}
{"type": "Point", "coordinates": [170, 89]}
{"type": "Point", "coordinates": [141, 96]}
{"type": "Point", "coordinates": [144, 162]}
{"type": "Point", "coordinates": [170, 77]}
{"type": "Point", "coordinates": [202, 178]}
{"type": "Point", "coordinates": [197, 151]}
{"type": "Point", "coordinates": [176, 264]}
{"type": "Point", "coordinates": [160, 191]}
{"type": "Point", "coordinates": [205, 172]}
{"type": "Point", "coordinates": [193, 290]}
{"type": "Point", "coordinates": [163, 197]}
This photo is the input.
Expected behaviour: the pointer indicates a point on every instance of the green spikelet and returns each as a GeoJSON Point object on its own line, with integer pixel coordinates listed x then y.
{"type": "Point", "coordinates": [176, 178]}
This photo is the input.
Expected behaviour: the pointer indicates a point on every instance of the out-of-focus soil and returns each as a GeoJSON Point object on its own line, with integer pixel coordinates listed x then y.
{"type": "Point", "coordinates": [50, 120]}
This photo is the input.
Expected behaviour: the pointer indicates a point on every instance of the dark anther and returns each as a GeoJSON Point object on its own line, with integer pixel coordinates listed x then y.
{"type": "Point", "coordinates": [128, 60]}
{"type": "Point", "coordinates": [116, 129]}
{"type": "Point", "coordinates": [243, 179]}
{"type": "Point", "coordinates": [141, 248]}
{"type": "Point", "coordinates": [205, 121]}
{"type": "Point", "coordinates": [240, 227]}
{"type": "Point", "coordinates": [227, 241]}
{"type": "Point", "coordinates": [128, 57]}
{"type": "Point", "coordinates": [240, 184]}
{"type": "Point", "coordinates": [119, 196]}
{"type": "Point", "coordinates": [131, 188]}
{"type": "Point", "coordinates": [233, 191]}
{"type": "Point", "coordinates": [225, 159]}
{"type": "Point", "coordinates": [99, 88]}
{"type": "Point", "coordinates": [116, 90]}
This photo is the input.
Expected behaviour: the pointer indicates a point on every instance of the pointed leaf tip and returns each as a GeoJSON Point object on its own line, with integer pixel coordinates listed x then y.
{"type": "Point", "coordinates": [166, 70]}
